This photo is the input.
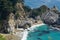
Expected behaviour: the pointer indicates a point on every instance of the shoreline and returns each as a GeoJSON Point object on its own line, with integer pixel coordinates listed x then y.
{"type": "Point", "coordinates": [25, 33]}
{"type": "Point", "coordinates": [34, 26]}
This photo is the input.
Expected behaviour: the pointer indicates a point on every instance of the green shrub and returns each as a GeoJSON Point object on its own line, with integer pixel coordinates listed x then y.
{"type": "Point", "coordinates": [1, 37]}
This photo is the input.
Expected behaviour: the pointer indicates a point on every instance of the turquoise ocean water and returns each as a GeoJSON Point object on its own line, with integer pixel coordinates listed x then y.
{"type": "Point", "coordinates": [43, 33]}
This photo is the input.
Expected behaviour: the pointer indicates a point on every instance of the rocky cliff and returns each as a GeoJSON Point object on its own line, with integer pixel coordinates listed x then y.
{"type": "Point", "coordinates": [18, 13]}
{"type": "Point", "coordinates": [20, 18]}
{"type": "Point", "coordinates": [52, 17]}
{"type": "Point", "coordinates": [23, 17]}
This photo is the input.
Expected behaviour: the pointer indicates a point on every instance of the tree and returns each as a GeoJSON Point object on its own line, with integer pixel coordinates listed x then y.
{"type": "Point", "coordinates": [44, 8]}
{"type": "Point", "coordinates": [6, 7]}
{"type": "Point", "coordinates": [27, 8]}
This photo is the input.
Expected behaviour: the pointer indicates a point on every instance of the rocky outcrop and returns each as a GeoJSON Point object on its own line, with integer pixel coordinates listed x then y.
{"type": "Point", "coordinates": [24, 16]}
{"type": "Point", "coordinates": [11, 23]}
{"type": "Point", "coordinates": [55, 9]}
{"type": "Point", "coordinates": [52, 17]}
{"type": "Point", "coordinates": [49, 17]}
{"type": "Point", "coordinates": [20, 11]}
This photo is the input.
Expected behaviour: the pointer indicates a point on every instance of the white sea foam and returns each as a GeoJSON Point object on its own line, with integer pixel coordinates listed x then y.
{"type": "Point", "coordinates": [25, 34]}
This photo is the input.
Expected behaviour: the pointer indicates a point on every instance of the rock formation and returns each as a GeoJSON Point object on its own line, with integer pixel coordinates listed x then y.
{"type": "Point", "coordinates": [54, 9]}
{"type": "Point", "coordinates": [11, 23]}
{"type": "Point", "coordinates": [21, 20]}
{"type": "Point", "coordinates": [24, 17]}
{"type": "Point", "coordinates": [50, 17]}
{"type": "Point", "coordinates": [20, 11]}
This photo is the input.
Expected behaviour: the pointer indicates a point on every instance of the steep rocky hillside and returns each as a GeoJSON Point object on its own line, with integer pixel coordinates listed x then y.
{"type": "Point", "coordinates": [17, 15]}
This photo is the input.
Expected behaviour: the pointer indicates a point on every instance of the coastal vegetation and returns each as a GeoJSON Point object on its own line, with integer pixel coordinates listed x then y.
{"type": "Point", "coordinates": [2, 37]}
{"type": "Point", "coordinates": [20, 14]}
{"type": "Point", "coordinates": [14, 14]}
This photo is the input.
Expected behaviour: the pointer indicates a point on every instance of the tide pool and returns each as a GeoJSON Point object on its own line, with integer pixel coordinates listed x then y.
{"type": "Point", "coordinates": [43, 33]}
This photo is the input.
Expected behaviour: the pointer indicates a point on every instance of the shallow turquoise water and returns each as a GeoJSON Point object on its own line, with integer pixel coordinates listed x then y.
{"type": "Point", "coordinates": [43, 33]}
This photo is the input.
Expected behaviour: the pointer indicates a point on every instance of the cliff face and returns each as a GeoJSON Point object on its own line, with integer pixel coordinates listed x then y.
{"type": "Point", "coordinates": [11, 19]}
{"type": "Point", "coordinates": [24, 16]}
{"type": "Point", "coordinates": [51, 17]}
{"type": "Point", "coordinates": [19, 19]}
{"type": "Point", "coordinates": [11, 23]}
{"type": "Point", "coordinates": [18, 16]}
